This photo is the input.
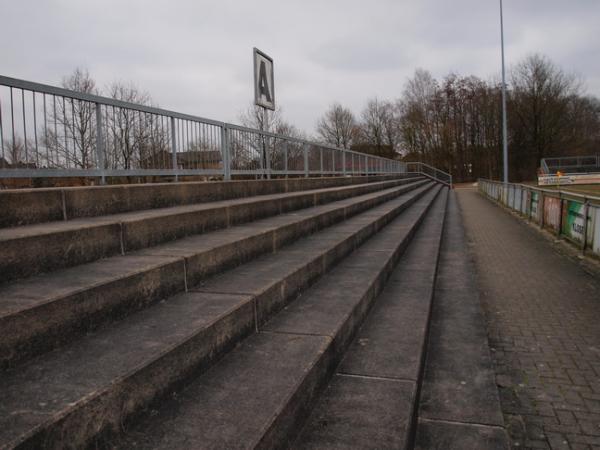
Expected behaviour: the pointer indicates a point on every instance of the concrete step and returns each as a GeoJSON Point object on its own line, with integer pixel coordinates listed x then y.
{"type": "Point", "coordinates": [259, 393]}
{"type": "Point", "coordinates": [92, 386]}
{"type": "Point", "coordinates": [46, 310]}
{"type": "Point", "coordinates": [459, 406]}
{"type": "Point", "coordinates": [371, 400]}
{"type": "Point", "coordinates": [33, 249]}
{"type": "Point", "coordinates": [28, 206]}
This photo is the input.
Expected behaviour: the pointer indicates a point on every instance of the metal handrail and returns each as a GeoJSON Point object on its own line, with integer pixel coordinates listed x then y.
{"type": "Point", "coordinates": [261, 147]}
{"type": "Point", "coordinates": [438, 175]}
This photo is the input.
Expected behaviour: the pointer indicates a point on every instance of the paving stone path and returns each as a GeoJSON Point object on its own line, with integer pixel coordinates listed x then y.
{"type": "Point", "coordinates": [543, 317]}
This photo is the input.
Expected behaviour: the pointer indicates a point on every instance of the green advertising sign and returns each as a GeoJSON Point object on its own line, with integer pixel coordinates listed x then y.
{"type": "Point", "coordinates": [534, 206]}
{"type": "Point", "coordinates": [573, 221]}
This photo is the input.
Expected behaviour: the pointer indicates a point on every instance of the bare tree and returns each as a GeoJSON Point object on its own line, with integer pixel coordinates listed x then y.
{"type": "Point", "coordinates": [338, 126]}
{"type": "Point", "coordinates": [71, 134]}
{"type": "Point", "coordinates": [251, 149]}
{"type": "Point", "coordinates": [14, 151]}
{"type": "Point", "coordinates": [130, 132]}
{"type": "Point", "coordinates": [379, 129]}
{"type": "Point", "coordinates": [539, 105]}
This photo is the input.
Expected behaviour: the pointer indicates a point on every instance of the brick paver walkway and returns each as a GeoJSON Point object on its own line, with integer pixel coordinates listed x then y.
{"type": "Point", "coordinates": [543, 315]}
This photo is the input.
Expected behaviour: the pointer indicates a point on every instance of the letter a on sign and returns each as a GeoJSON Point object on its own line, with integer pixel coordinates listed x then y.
{"type": "Point", "coordinates": [264, 86]}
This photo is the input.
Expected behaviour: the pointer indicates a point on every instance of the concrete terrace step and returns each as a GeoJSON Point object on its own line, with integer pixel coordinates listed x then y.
{"type": "Point", "coordinates": [259, 393]}
{"type": "Point", "coordinates": [32, 249]}
{"type": "Point", "coordinates": [27, 206]}
{"type": "Point", "coordinates": [43, 311]}
{"type": "Point", "coordinates": [372, 398]}
{"type": "Point", "coordinates": [69, 397]}
{"type": "Point", "coordinates": [459, 405]}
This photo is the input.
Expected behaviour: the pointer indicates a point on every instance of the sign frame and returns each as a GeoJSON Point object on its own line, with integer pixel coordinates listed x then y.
{"type": "Point", "coordinates": [258, 57]}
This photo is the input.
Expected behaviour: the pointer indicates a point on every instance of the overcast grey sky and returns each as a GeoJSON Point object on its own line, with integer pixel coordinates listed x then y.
{"type": "Point", "coordinates": [195, 56]}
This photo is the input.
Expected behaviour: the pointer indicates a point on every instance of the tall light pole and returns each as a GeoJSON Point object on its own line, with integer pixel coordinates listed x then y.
{"type": "Point", "coordinates": [504, 132]}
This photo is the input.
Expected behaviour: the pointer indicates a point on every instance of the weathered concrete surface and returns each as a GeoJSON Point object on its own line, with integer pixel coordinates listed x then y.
{"type": "Point", "coordinates": [26, 206]}
{"type": "Point", "coordinates": [64, 397]}
{"type": "Point", "coordinates": [304, 260]}
{"type": "Point", "coordinates": [391, 343]}
{"type": "Point", "coordinates": [436, 435]}
{"type": "Point", "coordinates": [70, 243]}
{"type": "Point", "coordinates": [258, 394]}
{"type": "Point", "coordinates": [44, 311]}
{"type": "Point", "coordinates": [335, 313]}
{"type": "Point", "coordinates": [371, 401]}
{"type": "Point", "coordinates": [542, 316]}
{"type": "Point", "coordinates": [249, 400]}
{"type": "Point", "coordinates": [458, 386]}
{"type": "Point", "coordinates": [39, 248]}
{"type": "Point", "coordinates": [49, 310]}
{"type": "Point", "coordinates": [360, 413]}
{"type": "Point", "coordinates": [94, 384]}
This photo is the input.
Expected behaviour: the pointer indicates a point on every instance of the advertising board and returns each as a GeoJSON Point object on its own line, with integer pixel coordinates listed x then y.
{"type": "Point", "coordinates": [552, 212]}
{"type": "Point", "coordinates": [573, 220]}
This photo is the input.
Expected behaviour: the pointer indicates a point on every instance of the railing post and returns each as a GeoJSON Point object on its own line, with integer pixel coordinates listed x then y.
{"type": "Point", "coordinates": [267, 159]}
{"type": "Point", "coordinates": [226, 153]}
{"type": "Point", "coordinates": [560, 214]}
{"type": "Point", "coordinates": [333, 162]}
{"type": "Point", "coordinates": [321, 158]}
{"type": "Point", "coordinates": [305, 149]}
{"type": "Point", "coordinates": [174, 147]}
{"type": "Point", "coordinates": [285, 158]}
{"type": "Point", "coordinates": [100, 150]}
{"type": "Point", "coordinates": [541, 201]}
{"type": "Point", "coordinates": [586, 210]}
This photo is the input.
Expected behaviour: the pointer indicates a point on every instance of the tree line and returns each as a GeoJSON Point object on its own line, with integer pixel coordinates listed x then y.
{"type": "Point", "coordinates": [456, 123]}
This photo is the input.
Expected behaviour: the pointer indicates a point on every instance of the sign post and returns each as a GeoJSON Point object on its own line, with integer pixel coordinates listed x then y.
{"type": "Point", "coordinates": [264, 96]}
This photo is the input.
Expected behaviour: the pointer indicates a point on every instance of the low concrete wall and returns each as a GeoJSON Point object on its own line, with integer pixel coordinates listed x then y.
{"type": "Point", "coordinates": [27, 206]}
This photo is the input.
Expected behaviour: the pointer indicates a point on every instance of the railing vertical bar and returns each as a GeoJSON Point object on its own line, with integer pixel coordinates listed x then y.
{"type": "Point", "coordinates": [174, 147]}
{"type": "Point", "coordinates": [285, 157]}
{"type": "Point", "coordinates": [24, 126]}
{"type": "Point", "coordinates": [65, 131]}
{"type": "Point", "coordinates": [333, 161]}
{"type": "Point", "coordinates": [55, 139]}
{"type": "Point", "coordinates": [321, 159]}
{"type": "Point", "coordinates": [306, 168]}
{"type": "Point", "coordinates": [586, 211]}
{"type": "Point", "coordinates": [2, 132]}
{"type": "Point", "coordinates": [268, 157]}
{"type": "Point", "coordinates": [100, 142]}
{"type": "Point", "coordinates": [12, 119]}
{"type": "Point", "coordinates": [226, 153]}
{"type": "Point", "coordinates": [37, 153]}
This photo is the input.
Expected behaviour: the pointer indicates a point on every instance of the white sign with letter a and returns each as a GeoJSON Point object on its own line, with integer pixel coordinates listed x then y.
{"type": "Point", "coordinates": [264, 80]}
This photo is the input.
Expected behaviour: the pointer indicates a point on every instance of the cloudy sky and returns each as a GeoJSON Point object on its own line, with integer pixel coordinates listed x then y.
{"type": "Point", "coordinates": [195, 56]}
